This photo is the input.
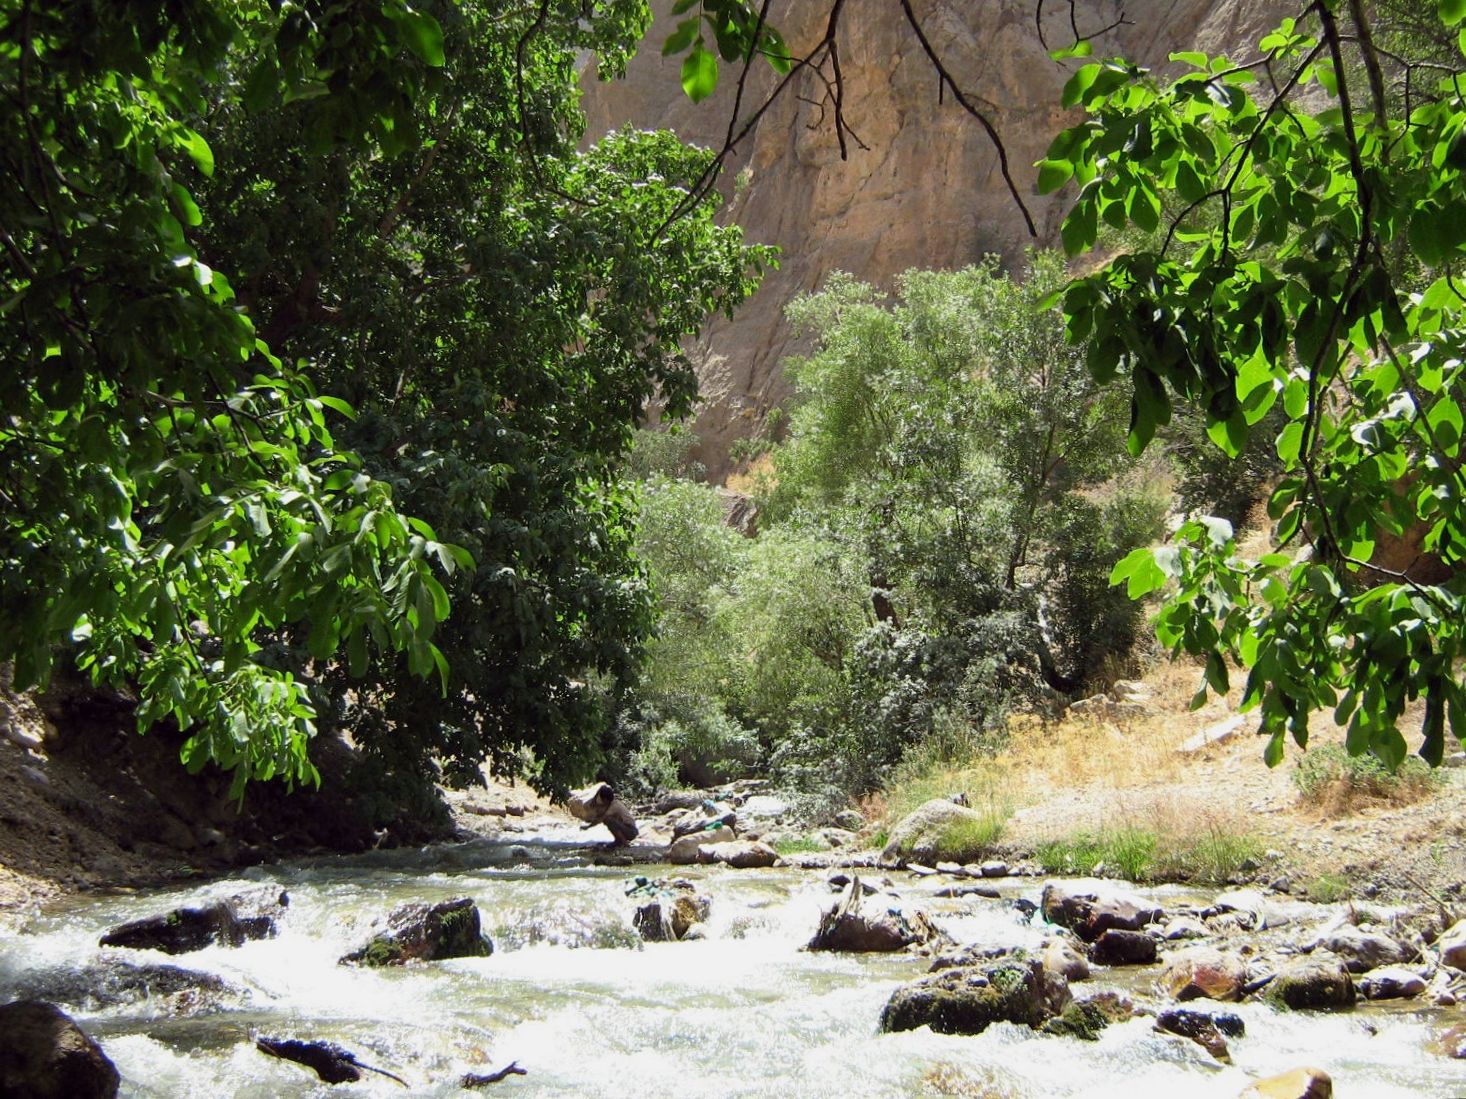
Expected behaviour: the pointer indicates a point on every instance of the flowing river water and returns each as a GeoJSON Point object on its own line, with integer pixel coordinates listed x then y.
{"type": "Point", "coordinates": [743, 1012]}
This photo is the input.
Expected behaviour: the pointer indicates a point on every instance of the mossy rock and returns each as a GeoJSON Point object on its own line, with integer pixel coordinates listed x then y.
{"type": "Point", "coordinates": [1084, 1019]}
{"type": "Point", "coordinates": [425, 933]}
{"type": "Point", "coordinates": [969, 999]}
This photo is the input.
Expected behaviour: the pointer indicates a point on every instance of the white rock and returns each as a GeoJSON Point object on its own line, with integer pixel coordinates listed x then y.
{"type": "Point", "coordinates": [1219, 733]}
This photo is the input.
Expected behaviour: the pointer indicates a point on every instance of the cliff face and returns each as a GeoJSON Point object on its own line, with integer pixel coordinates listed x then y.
{"type": "Point", "coordinates": [921, 188]}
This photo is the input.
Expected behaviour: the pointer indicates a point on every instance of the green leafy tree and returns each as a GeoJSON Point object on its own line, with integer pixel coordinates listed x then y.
{"type": "Point", "coordinates": [406, 223]}
{"type": "Point", "coordinates": [1312, 268]}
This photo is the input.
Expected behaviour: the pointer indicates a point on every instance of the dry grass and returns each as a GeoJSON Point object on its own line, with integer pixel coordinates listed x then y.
{"type": "Point", "coordinates": [756, 480]}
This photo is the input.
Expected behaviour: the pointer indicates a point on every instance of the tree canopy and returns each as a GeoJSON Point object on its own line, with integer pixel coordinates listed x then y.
{"type": "Point", "coordinates": [228, 229]}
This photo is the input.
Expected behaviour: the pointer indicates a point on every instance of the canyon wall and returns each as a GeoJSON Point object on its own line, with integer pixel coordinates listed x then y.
{"type": "Point", "coordinates": [920, 184]}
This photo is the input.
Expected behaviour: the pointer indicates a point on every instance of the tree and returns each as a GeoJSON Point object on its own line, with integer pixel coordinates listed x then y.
{"type": "Point", "coordinates": [1312, 266]}
{"type": "Point", "coordinates": [405, 222]}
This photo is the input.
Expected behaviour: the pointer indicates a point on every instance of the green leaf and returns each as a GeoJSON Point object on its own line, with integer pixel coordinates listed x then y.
{"type": "Point", "coordinates": [1290, 440]}
{"type": "Point", "coordinates": [1195, 59]}
{"type": "Point", "coordinates": [1451, 11]}
{"type": "Point", "coordinates": [1082, 48]}
{"type": "Point", "coordinates": [198, 149]}
{"type": "Point", "coordinates": [1053, 174]}
{"type": "Point", "coordinates": [699, 73]}
{"type": "Point", "coordinates": [682, 37]}
{"type": "Point", "coordinates": [424, 37]}
{"type": "Point", "coordinates": [1216, 674]}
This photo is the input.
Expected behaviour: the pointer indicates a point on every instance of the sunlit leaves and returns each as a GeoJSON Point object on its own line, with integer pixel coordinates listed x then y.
{"type": "Point", "coordinates": [1264, 287]}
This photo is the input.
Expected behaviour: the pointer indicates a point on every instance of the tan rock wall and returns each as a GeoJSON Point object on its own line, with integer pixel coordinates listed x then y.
{"type": "Point", "coordinates": [925, 190]}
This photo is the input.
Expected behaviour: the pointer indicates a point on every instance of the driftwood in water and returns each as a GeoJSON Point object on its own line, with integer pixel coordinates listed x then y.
{"type": "Point", "coordinates": [331, 1063]}
{"type": "Point", "coordinates": [598, 804]}
{"type": "Point", "coordinates": [473, 1080]}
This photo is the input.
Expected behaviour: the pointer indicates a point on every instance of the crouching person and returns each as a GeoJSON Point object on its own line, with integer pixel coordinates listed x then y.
{"type": "Point", "coordinates": [598, 804]}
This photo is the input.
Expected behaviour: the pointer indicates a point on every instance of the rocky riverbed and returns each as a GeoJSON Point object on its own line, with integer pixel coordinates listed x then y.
{"type": "Point", "coordinates": [611, 969]}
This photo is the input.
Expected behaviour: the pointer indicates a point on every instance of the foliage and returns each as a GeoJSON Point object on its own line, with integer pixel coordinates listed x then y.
{"type": "Point", "coordinates": [1214, 856]}
{"type": "Point", "coordinates": [407, 223]}
{"type": "Point", "coordinates": [739, 32]}
{"type": "Point", "coordinates": [1326, 775]}
{"type": "Point", "coordinates": [1283, 284]}
{"type": "Point", "coordinates": [171, 486]}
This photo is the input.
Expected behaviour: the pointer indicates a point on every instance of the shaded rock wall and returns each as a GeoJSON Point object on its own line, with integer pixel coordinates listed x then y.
{"type": "Point", "coordinates": [925, 190]}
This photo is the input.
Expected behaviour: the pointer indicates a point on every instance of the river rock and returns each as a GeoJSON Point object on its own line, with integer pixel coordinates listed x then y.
{"type": "Point", "coordinates": [684, 851]}
{"type": "Point", "coordinates": [598, 804]}
{"type": "Point", "coordinates": [1084, 1019]}
{"type": "Point", "coordinates": [1391, 982]}
{"type": "Point", "coordinates": [1091, 907]}
{"type": "Point", "coordinates": [846, 927]}
{"type": "Point", "coordinates": [669, 918]}
{"type": "Point", "coordinates": [426, 933]}
{"type": "Point", "coordinates": [112, 982]}
{"type": "Point", "coordinates": [1184, 927]}
{"type": "Point", "coordinates": [852, 820]}
{"type": "Point", "coordinates": [1313, 982]}
{"type": "Point", "coordinates": [229, 922]}
{"type": "Point", "coordinates": [1203, 972]}
{"type": "Point", "coordinates": [1452, 944]}
{"type": "Point", "coordinates": [1300, 1083]}
{"type": "Point", "coordinates": [939, 831]}
{"type": "Point", "coordinates": [45, 1055]}
{"type": "Point", "coordinates": [1119, 947]}
{"type": "Point", "coordinates": [1363, 950]}
{"type": "Point", "coordinates": [1062, 959]}
{"type": "Point", "coordinates": [968, 999]}
{"type": "Point", "coordinates": [740, 854]}
{"type": "Point", "coordinates": [1205, 1028]}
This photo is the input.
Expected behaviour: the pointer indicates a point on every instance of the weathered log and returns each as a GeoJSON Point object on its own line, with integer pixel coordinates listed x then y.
{"type": "Point", "coordinates": [332, 1063]}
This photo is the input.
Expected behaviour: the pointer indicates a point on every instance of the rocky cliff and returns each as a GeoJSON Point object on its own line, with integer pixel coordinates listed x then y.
{"type": "Point", "coordinates": [920, 186]}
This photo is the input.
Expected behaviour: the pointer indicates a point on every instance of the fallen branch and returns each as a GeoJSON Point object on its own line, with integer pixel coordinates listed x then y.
{"type": "Point", "coordinates": [473, 1080]}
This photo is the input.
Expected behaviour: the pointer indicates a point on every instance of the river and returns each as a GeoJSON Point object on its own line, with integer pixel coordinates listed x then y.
{"type": "Point", "coordinates": [744, 1012]}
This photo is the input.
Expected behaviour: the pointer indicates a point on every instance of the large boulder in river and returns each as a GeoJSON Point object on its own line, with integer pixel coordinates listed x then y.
{"type": "Point", "coordinates": [426, 933]}
{"type": "Point", "coordinates": [1204, 973]}
{"type": "Point", "coordinates": [969, 999]}
{"type": "Point", "coordinates": [685, 849]}
{"type": "Point", "coordinates": [846, 927]}
{"type": "Point", "coordinates": [1300, 1083]}
{"type": "Point", "coordinates": [1091, 907]}
{"type": "Point", "coordinates": [44, 1055]}
{"type": "Point", "coordinates": [1364, 950]}
{"type": "Point", "coordinates": [939, 831]}
{"type": "Point", "coordinates": [1313, 982]}
{"type": "Point", "coordinates": [229, 922]}
{"type": "Point", "coordinates": [670, 916]}
{"type": "Point", "coordinates": [1118, 947]}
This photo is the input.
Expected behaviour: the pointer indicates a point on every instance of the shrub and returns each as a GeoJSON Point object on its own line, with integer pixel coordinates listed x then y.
{"type": "Point", "coordinates": [1329, 777]}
